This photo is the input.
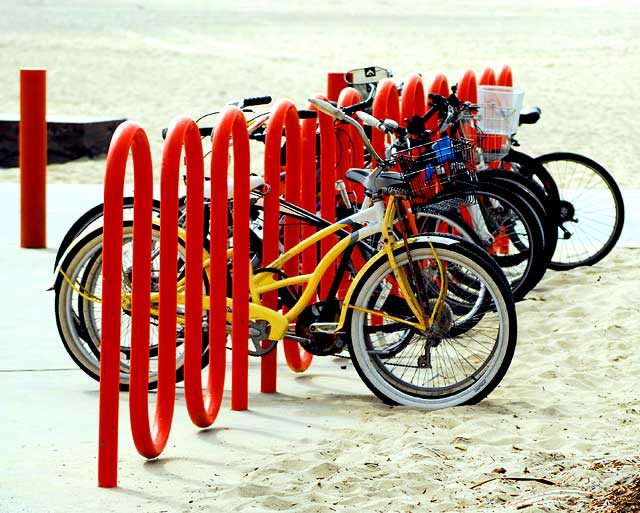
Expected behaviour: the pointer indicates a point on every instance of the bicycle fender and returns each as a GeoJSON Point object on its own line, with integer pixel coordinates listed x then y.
{"type": "Point", "coordinates": [440, 239]}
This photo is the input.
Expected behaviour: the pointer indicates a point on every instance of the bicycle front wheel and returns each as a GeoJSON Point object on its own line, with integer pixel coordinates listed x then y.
{"type": "Point", "coordinates": [591, 210]}
{"type": "Point", "coordinates": [460, 359]}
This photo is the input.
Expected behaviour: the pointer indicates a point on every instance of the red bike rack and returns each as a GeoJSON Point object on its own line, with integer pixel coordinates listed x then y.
{"type": "Point", "coordinates": [440, 86]}
{"type": "Point", "coordinates": [232, 124]}
{"type": "Point", "coordinates": [150, 441]}
{"type": "Point", "coordinates": [505, 78]}
{"type": "Point", "coordinates": [284, 117]}
{"type": "Point", "coordinates": [488, 77]}
{"type": "Point", "coordinates": [413, 101]}
{"type": "Point", "coordinates": [351, 145]}
{"type": "Point", "coordinates": [468, 88]}
{"type": "Point", "coordinates": [386, 105]}
{"type": "Point", "coordinates": [128, 136]}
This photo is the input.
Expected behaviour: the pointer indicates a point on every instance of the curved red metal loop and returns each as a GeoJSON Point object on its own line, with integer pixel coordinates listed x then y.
{"type": "Point", "coordinates": [413, 98]}
{"type": "Point", "coordinates": [232, 124]}
{"type": "Point", "coordinates": [351, 152]}
{"type": "Point", "coordinates": [150, 441]}
{"type": "Point", "coordinates": [284, 118]}
{"type": "Point", "coordinates": [440, 86]}
{"type": "Point", "coordinates": [505, 78]}
{"type": "Point", "coordinates": [128, 135]}
{"type": "Point", "coordinates": [183, 131]}
{"type": "Point", "coordinates": [468, 88]}
{"type": "Point", "coordinates": [488, 77]}
{"type": "Point", "coordinates": [386, 105]}
{"type": "Point", "coordinates": [308, 186]}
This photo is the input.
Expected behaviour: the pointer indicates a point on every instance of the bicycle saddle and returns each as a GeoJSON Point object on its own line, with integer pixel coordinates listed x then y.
{"type": "Point", "coordinates": [529, 115]}
{"type": "Point", "coordinates": [385, 179]}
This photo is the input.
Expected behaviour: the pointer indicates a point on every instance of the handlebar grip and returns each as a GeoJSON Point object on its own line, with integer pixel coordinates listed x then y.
{"type": "Point", "coordinates": [368, 119]}
{"type": "Point", "coordinates": [256, 100]}
{"type": "Point", "coordinates": [307, 114]}
{"type": "Point", "coordinates": [327, 108]}
{"type": "Point", "coordinates": [204, 131]}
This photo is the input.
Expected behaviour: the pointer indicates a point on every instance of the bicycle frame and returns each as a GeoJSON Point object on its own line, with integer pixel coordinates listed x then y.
{"type": "Point", "coordinates": [374, 219]}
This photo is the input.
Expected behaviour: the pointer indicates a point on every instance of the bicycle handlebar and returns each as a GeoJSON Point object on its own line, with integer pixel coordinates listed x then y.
{"type": "Point", "coordinates": [368, 119]}
{"type": "Point", "coordinates": [256, 100]}
{"type": "Point", "coordinates": [204, 131]}
{"type": "Point", "coordinates": [327, 108]}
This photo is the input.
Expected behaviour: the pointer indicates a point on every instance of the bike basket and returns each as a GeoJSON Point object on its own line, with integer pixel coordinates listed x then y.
{"type": "Point", "coordinates": [429, 167]}
{"type": "Point", "coordinates": [499, 109]}
{"type": "Point", "coordinates": [493, 146]}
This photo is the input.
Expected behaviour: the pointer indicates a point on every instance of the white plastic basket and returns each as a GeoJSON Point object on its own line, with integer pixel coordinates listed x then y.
{"type": "Point", "coordinates": [499, 109]}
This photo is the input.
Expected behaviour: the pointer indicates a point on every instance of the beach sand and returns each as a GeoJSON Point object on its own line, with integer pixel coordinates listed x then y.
{"type": "Point", "coordinates": [568, 409]}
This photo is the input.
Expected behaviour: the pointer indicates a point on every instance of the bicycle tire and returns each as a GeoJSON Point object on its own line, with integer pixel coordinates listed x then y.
{"type": "Point", "coordinates": [583, 186]}
{"type": "Point", "coordinates": [525, 264]}
{"type": "Point", "coordinates": [369, 359]}
{"type": "Point", "coordinates": [84, 259]}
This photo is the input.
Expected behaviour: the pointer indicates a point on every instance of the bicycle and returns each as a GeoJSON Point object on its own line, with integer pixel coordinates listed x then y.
{"type": "Point", "coordinates": [584, 199]}
{"type": "Point", "coordinates": [411, 338]}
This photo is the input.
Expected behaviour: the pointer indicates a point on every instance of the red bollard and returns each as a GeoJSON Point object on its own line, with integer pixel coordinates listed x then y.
{"type": "Point", "coordinates": [335, 84]}
{"type": "Point", "coordinates": [33, 158]}
{"type": "Point", "coordinates": [505, 78]}
{"type": "Point", "coordinates": [129, 135]}
{"type": "Point", "coordinates": [488, 77]}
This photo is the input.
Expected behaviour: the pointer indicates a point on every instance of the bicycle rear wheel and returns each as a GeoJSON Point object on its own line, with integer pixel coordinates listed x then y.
{"type": "Point", "coordinates": [78, 308]}
{"type": "Point", "coordinates": [591, 210]}
{"type": "Point", "coordinates": [461, 359]}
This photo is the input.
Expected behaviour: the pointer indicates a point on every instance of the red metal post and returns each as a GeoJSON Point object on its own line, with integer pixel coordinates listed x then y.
{"type": "Point", "coordinates": [33, 158]}
{"type": "Point", "coordinates": [129, 135]}
{"type": "Point", "coordinates": [335, 84]}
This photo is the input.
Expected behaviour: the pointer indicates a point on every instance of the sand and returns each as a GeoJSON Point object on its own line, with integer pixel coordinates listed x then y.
{"type": "Point", "coordinates": [568, 409]}
{"type": "Point", "coordinates": [151, 61]}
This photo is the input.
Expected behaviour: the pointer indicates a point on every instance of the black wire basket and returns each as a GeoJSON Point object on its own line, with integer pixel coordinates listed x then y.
{"type": "Point", "coordinates": [437, 167]}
